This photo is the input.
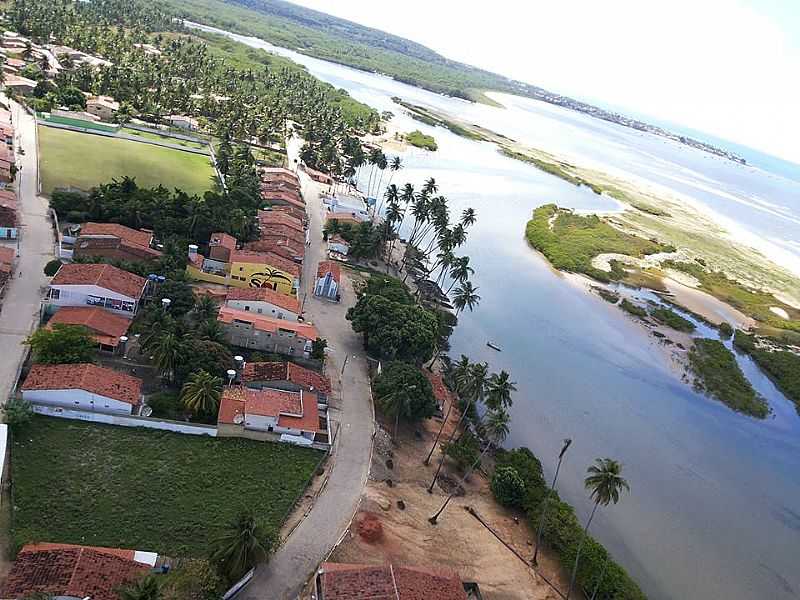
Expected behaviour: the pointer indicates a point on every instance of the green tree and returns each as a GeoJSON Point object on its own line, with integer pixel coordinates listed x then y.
{"type": "Point", "coordinates": [605, 484]}
{"type": "Point", "coordinates": [146, 588]}
{"type": "Point", "coordinates": [508, 487]}
{"type": "Point", "coordinates": [62, 344]}
{"type": "Point", "coordinates": [499, 390]}
{"type": "Point", "coordinates": [403, 392]}
{"type": "Point", "coordinates": [168, 353]}
{"type": "Point", "coordinates": [201, 393]}
{"type": "Point", "coordinates": [465, 296]}
{"type": "Point", "coordinates": [52, 267]}
{"type": "Point", "coordinates": [17, 412]}
{"type": "Point", "coordinates": [244, 545]}
{"type": "Point", "coordinates": [318, 348]}
{"type": "Point", "coordinates": [205, 308]}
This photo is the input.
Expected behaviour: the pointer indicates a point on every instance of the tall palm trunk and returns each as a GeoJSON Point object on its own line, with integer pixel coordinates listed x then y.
{"type": "Point", "coordinates": [461, 481]}
{"type": "Point", "coordinates": [449, 441]}
{"type": "Point", "coordinates": [578, 554]}
{"type": "Point", "coordinates": [439, 433]}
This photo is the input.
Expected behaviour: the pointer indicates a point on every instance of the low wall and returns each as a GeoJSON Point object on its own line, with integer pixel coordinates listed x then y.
{"type": "Point", "coordinates": [199, 275]}
{"type": "Point", "coordinates": [126, 421]}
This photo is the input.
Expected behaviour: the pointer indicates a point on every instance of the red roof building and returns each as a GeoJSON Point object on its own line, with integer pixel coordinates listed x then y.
{"type": "Point", "coordinates": [286, 371]}
{"type": "Point", "coordinates": [266, 258]}
{"type": "Point", "coordinates": [245, 296]}
{"type": "Point", "coordinates": [267, 218]}
{"type": "Point", "coordinates": [113, 240]}
{"type": "Point", "coordinates": [387, 582]}
{"type": "Point", "coordinates": [106, 328]}
{"type": "Point", "coordinates": [271, 411]}
{"type": "Point", "coordinates": [100, 275]}
{"type": "Point", "coordinates": [280, 245]}
{"type": "Point", "coordinates": [88, 377]}
{"type": "Point", "coordinates": [67, 571]}
{"type": "Point", "coordinates": [220, 246]}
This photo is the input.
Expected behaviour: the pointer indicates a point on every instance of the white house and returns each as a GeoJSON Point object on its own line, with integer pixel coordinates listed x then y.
{"type": "Point", "coordinates": [264, 301]}
{"type": "Point", "coordinates": [328, 277]}
{"type": "Point", "coordinates": [182, 121]}
{"type": "Point", "coordinates": [81, 388]}
{"type": "Point", "coordinates": [96, 285]}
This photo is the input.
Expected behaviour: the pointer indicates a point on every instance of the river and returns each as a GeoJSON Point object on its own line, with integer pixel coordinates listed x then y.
{"type": "Point", "coordinates": [714, 509]}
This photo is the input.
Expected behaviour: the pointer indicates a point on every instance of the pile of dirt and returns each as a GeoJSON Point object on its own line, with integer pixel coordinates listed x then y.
{"type": "Point", "coordinates": [369, 527]}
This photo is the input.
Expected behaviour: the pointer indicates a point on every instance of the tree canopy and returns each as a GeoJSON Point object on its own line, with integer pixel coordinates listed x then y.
{"type": "Point", "coordinates": [402, 390]}
{"type": "Point", "coordinates": [62, 344]}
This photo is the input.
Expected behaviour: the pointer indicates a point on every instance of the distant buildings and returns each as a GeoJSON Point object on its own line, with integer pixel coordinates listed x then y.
{"type": "Point", "coordinates": [182, 122]}
{"type": "Point", "coordinates": [98, 285]}
{"type": "Point", "coordinates": [104, 107]}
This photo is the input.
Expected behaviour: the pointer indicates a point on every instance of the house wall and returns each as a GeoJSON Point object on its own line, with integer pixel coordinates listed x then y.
{"type": "Point", "coordinates": [117, 253]}
{"type": "Point", "coordinates": [247, 275]}
{"type": "Point", "coordinates": [262, 308]}
{"type": "Point", "coordinates": [105, 113]}
{"type": "Point", "coordinates": [79, 400]}
{"type": "Point", "coordinates": [199, 275]}
{"type": "Point", "coordinates": [246, 336]}
{"type": "Point", "coordinates": [80, 295]}
{"type": "Point", "coordinates": [126, 421]}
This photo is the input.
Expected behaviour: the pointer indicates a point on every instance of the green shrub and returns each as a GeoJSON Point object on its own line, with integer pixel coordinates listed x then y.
{"type": "Point", "coordinates": [421, 140]}
{"type": "Point", "coordinates": [464, 451]}
{"type": "Point", "coordinates": [52, 267]}
{"type": "Point", "coordinates": [670, 318]}
{"type": "Point", "coordinates": [725, 330]}
{"type": "Point", "coordinates": [633, 309]}
{"type": "Point", "coordinates": [508, 487]}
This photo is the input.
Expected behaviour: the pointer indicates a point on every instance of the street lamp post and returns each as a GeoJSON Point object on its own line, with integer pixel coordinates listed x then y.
{"type": "Point", "coordinates": [540, 531]}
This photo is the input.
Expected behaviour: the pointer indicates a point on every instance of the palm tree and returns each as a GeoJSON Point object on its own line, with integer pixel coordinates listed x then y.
{"type": "Point", "coordinates": [396, 404]}
{"type": "Point", "coordinates": [466, 296]}
{"type": "Point", "coordinates": [205, 308]}
{"type": "Point", "coordinates": [495, 430]}
{"type": "Point", "coordinates": [460, 271]}
{"type": "Point", "coordinates": [459, 372]}
{"type": "Point", "coordinates": [499, 390]}
{"type": "Point", "coordinates": [201, 393]}
{"type": "Point", "coordinates": [146, 588]}
{"type": "Point", "coordinates": [394, 166]}
{"type": "Point", "coordinates": [167, 353]}
{"type": "Point", "coordinates": [211, 331]}
{"type": "Point", "coordinates": [468, 217]}
{"type": "Point", "coordinates": [240, 548]}
{"type": "Point", "coordinates": [472, 387]}
{"type": "Point", "coordinates": [605, 483]}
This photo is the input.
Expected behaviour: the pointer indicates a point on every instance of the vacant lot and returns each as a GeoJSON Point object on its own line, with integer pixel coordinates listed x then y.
{"type": "Point", "coordinates": [122, 487]}
{"type": "Point", "coordinates": [82, 160]}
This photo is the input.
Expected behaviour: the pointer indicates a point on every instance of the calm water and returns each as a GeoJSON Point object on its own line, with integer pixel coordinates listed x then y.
{"type": "Point", "coordinates": [715, 507]}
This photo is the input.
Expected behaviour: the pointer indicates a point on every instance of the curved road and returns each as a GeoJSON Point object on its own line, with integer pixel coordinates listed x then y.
{"type": "Point", "coordinates": [285, 575]}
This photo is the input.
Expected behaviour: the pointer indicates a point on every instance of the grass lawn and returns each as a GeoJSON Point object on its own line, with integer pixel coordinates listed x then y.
{"type": "Point", "coordinates": [102, 485]}
{"type": "Point", "coordinates": [167, 139]}
{"type": "Point", "coordinates": [83, 161]}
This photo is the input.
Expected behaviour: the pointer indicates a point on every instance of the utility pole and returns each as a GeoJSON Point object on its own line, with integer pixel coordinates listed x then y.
{"type": "Point", "coordinates": [539, 532]}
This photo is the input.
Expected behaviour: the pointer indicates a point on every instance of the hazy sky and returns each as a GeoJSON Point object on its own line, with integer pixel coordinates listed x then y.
{"type": "Point", "coordinates": [727, 67]}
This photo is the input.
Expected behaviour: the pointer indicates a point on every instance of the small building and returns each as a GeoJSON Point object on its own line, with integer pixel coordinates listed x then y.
{"type": "Point", "coordinates": [111, 240]}
{"type": "Point", "coordinates": [280, 230]}
{"type": "Point", "coordinates": [327, 283]}
{"type": "Point", "coordinates": [220, 247]}
{"type": "Point", "coordinates": [284, 375]}
{"type": "Point", "coordinates": [20, 85]}
{"type": "Point", "coordinates": [71, 572]}
{"type": "Point", "coordinates": [8, 214]}
{"type": "Point", "coordinates": [271, 414]}
{"type": "Point", "coordinates": [264, 269]}
{"type": "Point", "coordinates": [259, 332]}
{"type": "Point", "coordinates": [99, 285]}
{"type": "Point", "coordinates": [81, 388]}
{"type": "Point", "coordinates": [343, 219]}
{"type": "Point", "coordinates": [268, 218]}
{"type": "Point", "coordinates": [264, 301]}
{"type": "Point", "coordinates": [106, 328]}
{"type": "Point", "coordinates": [104, 107]}
{"type": "Point", "coordinates": [335, 581]}
{"type": "Point", "coordinates": [338, 245]}
{"type": "Point", "coordinates": [182, 122]}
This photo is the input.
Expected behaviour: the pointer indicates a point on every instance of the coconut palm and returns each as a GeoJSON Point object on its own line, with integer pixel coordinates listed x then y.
{"type": "Point", "coordinates": [466, 296]}
{"type": "Point", "coordinates": [242, 546]}
{"type": "Point", "coordinates": [211, 331]}
{"type": "Point", "coordinates": [394, 166]}
{"type": "Point", "coordinates": [146, 588]}
{"type": "Point", "coordinates": [460, 271]}
{"type": "Point", "coordinates": [468, 217]}
{"type": "Point", "coordinates": [499, 390]}
{"type": "Point", "coordinates": [205, 308]}
{"type": "Point", "coordinates": [201, 393]}
{"type": "Point", "coordinates": [495, 430]}
{"type": "Point", "coordinates": [605, 484]}
{"type": "Point", "coordinates": [167, 354]}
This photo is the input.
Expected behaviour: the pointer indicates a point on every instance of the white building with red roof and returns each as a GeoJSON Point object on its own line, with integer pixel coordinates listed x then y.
{"type": "Point", "coordinates": [271, 413]}
{"type": "Point", "coordinates": [100, 285]}
{"type": "Point", "coordinates": [264, 301]}
{"type": "Point", "coordinates": [70, 389]}
{"type": "Point", "coordinates": [106, 328]}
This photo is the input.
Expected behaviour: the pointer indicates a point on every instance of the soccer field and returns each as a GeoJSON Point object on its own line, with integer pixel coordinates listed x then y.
{"type": "Point", "coordinates": [82, 160]}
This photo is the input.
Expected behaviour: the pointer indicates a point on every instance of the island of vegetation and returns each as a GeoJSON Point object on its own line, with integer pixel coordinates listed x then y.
{"type": "Point", "coordinates": [781, 364]}
{"type": "Point", "coordinates": [671, 319]}
{"type": "Point", "coordinates": [420, 140]}
{"type": "Point", "coordinates": [718, 374]}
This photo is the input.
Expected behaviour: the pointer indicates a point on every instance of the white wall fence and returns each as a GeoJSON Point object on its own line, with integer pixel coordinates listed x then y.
{"type": "Point", "coordinates": [126, 421]}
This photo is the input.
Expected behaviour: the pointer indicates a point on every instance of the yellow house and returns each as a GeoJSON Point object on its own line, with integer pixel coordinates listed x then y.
{"type": "Point", "coordinates": [264, 269]}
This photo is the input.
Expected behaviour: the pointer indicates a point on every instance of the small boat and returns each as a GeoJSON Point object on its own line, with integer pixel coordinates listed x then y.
{"type": "Point", "coordinates": [494, 346]}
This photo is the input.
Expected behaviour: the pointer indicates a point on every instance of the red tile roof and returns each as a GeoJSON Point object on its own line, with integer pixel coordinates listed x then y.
{"type": "Point", "coordinates": [269, 259]}
{"type": "Point", "coordinates": [85, 376]}
{"type": "Point", "coordinates": [105, 326]}
{"type": "Point", "coordinates": [286, 371]}
{"type": "Point", "coordinates": [263, 294]}
{"type": "Point", "coordinates": [6, 255]}
{"type": "Point", "coordinates": [267, 218]}
{"type": "Point", "coordinates": [72, 571]}
{"type": "Point", "coordinates": [132, 236]}
{"type": "Point", "coordinates": [102, 275]}
{"type": "Point", "coordinates": [223, 239]}
{"type": "Point", "coordinates": [281, 246]}
{"type": "Point", "coordinates": [297, 410]}
{"type": "Point", "coordinates": [332, 267]}
{"type": "Point", "coordinates": [262, 323]}
{"type": "Point", "coordinates": [364, 582]}
{"type": "Point", "coordinates": [298, 237]}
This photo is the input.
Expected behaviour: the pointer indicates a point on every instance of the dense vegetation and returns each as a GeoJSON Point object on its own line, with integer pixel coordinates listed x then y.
{"type": "Point", "coordinates": [427, 116]}
{"type": "Point", "coordinates": [420, 140]}
{"type": "Point", "coordinates": [123, 487]}
{"type": "Point", "coordinates": [632, 309]}
{"type": "Point", "coordinates": [783, 366]}
{"type": "Point", "coordinates": [570, 241]}
{"type": "Point", "coordinates": [403, 392]}
{"type": "Point", "coordinates": [563, 531]}
{"type": "Point", "coordinates": [670, 318]}
{"type": "Point", "coordinates": [718, 374]}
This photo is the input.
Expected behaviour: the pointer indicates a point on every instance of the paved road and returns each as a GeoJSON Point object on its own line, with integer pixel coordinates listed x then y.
{"type": "Point", "coordinates": [20, 306]}
{"type": "Point", "coordinates": [288, 570]}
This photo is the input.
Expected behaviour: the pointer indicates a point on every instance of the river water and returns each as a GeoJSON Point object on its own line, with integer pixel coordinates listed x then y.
{"type": "Point", "coordinates": [714, 510]}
